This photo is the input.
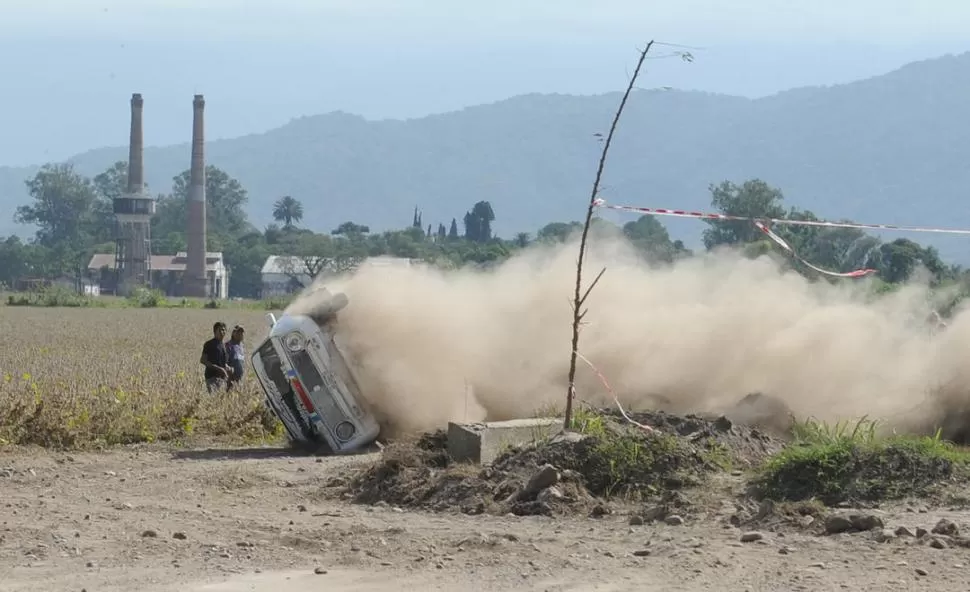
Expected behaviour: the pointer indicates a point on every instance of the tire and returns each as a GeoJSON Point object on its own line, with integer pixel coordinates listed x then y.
{"type": "Point", "coordinates": [322, 314]}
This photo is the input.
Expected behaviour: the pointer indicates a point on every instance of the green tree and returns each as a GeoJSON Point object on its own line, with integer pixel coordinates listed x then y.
{"type": "Point", "coordinates": [753, 198]}
{"type": "Point", "coordinates": [522, 240]}
{"type": "Point", "coordinates": [109, 185]}
{"type": "Point", "coordinates": [349, 253]}
{"type": "Point", "coordinates": [896, 261]}
{"type": "Point", "coordinates": [453, 230]}
{"type": "Point", "coordinates": [350, 229]}
{"type": "Point", "coordinates": [558, 232]}
{"type": "Point", "coordinates": [652, 240]}
{"type": "Point", "coordinates": [112, 183]}
{"type": "Point", "coordinates": [287, 210]}
{"type": "Point", "coordinates": [63, 207]}
{"type": "Point", "coordinates": [169, 224]}
{"type": "Point", "coordinates": [478, 222]}
{"type": "Point", "coordinates": [410, 243]}
{"type": "Point", "coordinates": [246, 259]}
{"type": "Point", "coordinates": [225, 197]}
{"type": "Point", "coordinates": [169, 244]}
{"type": "Point", "coordinates": [273, 234]}
{"type": "Point", "coordinates": [838, 249]}
{"type": "Point", "coordinates": [14, 258]}
{"type": "Point", "coordinates": [313, 253]}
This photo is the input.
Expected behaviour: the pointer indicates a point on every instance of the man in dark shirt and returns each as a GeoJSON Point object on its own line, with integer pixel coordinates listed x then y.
{"type": "Point", "coordinates": [215, 358]}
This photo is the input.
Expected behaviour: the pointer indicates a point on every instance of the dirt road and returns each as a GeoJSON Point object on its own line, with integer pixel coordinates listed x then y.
{"type": "Point", "coordinates": [158, 520]}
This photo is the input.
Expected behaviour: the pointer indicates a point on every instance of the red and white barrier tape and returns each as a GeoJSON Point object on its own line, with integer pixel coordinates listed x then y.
{"type": "Point", "coordinates": [763, 225]}
{"type": "Point", "coordinates": [849, 274]}
{"type": "Point", "coordinates": [610, 390]}
{"type": "Point", "coordinates": [710, 216]}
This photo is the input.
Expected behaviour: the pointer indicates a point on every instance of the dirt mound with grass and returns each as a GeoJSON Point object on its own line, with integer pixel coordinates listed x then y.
{"type": "Point", "coordinates": [861, 468]}
{"type": "Point", "coordinates": [741, 443]}
{"type": "Point", "coordinates": [606, 458]}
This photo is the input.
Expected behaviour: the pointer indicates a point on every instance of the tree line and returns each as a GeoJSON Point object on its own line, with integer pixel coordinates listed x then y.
{"type": "Point", "coordinates": [74, 220]}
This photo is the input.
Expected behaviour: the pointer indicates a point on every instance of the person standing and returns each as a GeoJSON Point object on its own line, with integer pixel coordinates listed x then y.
{"type": "Point", "coordinates": [237, 355]}
{"type": "Point", "coordinates": [215, 358]}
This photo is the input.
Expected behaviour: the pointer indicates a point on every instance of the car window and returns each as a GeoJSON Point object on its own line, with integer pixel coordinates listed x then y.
{"type": "Point", "coordinates": [272, 366]}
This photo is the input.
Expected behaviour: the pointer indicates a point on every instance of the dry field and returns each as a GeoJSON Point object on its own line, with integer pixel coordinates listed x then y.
{"type": "Point", "coordinates": [87, 377]}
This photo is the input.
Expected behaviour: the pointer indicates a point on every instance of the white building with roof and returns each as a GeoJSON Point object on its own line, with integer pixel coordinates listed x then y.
{"type": "Point", "coordinates": [282, 275]}
{"type": "Point", "coordinates": [166, 273]}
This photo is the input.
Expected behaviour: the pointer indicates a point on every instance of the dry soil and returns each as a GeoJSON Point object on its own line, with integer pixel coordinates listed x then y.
{"type": "Point", "coordinates": [155, 519]}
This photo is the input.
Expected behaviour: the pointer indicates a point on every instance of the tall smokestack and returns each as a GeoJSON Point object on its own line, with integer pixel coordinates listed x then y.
{"type": "Point", "coordinates": [195, 265]}
{"type": "Point", "coordinates": [136, 158]}
{"type": "Point", "coordinates": [133, 215]}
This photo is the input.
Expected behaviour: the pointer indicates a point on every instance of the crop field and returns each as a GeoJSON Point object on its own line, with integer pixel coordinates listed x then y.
{"type": "Point", "coordinates": [75, 378]}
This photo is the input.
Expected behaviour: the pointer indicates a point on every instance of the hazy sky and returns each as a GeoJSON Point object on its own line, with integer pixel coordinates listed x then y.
{"type": "Point", "coordinates": [70, 66]}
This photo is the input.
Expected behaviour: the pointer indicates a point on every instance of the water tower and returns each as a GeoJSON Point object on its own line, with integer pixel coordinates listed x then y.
{"type": "Point", "coordinates": [133, 215]}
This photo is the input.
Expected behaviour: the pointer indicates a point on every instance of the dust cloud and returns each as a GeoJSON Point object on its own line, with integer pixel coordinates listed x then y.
{"type": "Point", "coordinates": [434, 346]}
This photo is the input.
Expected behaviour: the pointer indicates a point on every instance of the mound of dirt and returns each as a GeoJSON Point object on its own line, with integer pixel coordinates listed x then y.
{"type": "Point", "coordinates": [764, 412]}
{"type": "Point", "coordinates": [856, 473]}
{"type": "Point", "coordinates": [570, 473]}
{"type": "Point", "coordinates": [739, 437]}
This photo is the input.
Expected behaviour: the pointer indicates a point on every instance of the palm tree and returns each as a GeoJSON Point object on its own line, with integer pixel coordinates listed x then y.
{"type": "Point", "coordinates": [287, 210]}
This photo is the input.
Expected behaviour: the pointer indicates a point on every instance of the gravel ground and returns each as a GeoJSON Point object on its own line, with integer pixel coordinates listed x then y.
{"type": "Point", "coordinates": [157, 520]}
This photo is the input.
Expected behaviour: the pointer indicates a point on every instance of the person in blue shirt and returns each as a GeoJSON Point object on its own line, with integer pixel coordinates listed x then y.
{"type": "Point", "coordinates": [236, 354]}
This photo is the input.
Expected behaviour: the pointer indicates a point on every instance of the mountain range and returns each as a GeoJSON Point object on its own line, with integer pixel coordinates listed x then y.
{"type": "Point", "coordinates": [891, 149]}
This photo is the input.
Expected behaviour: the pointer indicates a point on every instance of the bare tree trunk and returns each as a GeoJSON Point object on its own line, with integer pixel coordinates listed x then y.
{"type": "Point", "coordinates": [580, 299]}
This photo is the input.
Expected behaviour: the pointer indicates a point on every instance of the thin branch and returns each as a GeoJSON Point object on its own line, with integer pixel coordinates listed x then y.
{"type": "Point", "coordinates": [591, 286]}
{"type": "Point", "coordinates": [577, 298]}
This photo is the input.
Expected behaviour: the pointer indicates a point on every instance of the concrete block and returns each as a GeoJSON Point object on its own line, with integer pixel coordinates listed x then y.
{"type": "Point", "coordinates": [481, 443]}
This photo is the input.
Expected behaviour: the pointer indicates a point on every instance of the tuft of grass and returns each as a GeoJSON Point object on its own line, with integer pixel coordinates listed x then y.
{"type": "Point", "coordinates": [858, 462]}
{"type": "Point", "coordinates": [812, 431]}
{"type": "Point", "coordinates": [588, 422]}
{"type": "Point", "coordinates": [718, 454]}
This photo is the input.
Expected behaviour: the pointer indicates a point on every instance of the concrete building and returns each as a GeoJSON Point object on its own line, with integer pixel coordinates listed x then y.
{"type": "Point", "coordinates": [168, 273]}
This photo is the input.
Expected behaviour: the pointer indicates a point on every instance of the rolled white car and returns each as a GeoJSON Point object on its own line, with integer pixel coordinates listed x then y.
{"type": "Point", "coordinates": [308, 383]}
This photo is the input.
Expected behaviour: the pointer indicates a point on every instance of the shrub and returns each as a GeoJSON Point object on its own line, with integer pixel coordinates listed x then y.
{"type": "Point", "coordinates": [145, 298]}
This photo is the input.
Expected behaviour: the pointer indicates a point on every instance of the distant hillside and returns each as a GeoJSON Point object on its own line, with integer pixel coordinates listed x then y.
{"type": "Point", "coordinates": [894, 148]}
